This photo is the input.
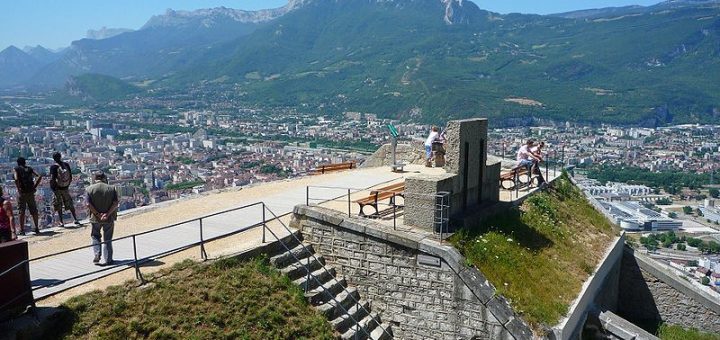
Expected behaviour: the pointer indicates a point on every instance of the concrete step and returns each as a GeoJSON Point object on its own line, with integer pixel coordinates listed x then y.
{"type": "Point", "coordinates": [297, 269]}
{"type": "Point", "coordinates": [355, 313]}
{"type": "Point", "coordinates": [382, 332]}
{"type": "Point", "coordinates": [317, 278]}
{"type": "Point", "coordinates": [286, 258]}
{"type": "Point", "coordinates": [344, 298]}
{"type": "Point", "coordinates": [319, 296]}
{"type": "Point", "coordinates": [363, 329]}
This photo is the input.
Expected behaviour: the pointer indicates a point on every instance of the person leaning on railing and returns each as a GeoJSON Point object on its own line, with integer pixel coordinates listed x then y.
{"type": "Point", "coordinates": [7, 220]}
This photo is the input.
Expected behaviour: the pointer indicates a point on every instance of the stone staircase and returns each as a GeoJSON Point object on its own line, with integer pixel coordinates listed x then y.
{"type": "Point", "coordinates": [347, 312]}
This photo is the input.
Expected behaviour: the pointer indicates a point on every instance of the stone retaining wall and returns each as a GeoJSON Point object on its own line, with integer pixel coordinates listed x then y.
{"type": "Point", "coordinates": [418, 284]}
{"type": "Point", "coordinates": [651, 294]}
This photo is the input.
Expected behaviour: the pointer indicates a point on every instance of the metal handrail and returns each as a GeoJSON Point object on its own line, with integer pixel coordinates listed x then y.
{"type": "Point", "coordinates": [137, 261]}
{"type": "Point", "coordinates": [320, 284]}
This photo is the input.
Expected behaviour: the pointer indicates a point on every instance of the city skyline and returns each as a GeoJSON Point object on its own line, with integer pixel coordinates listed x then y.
{"type": "Point", "coordinates": [39, 23]}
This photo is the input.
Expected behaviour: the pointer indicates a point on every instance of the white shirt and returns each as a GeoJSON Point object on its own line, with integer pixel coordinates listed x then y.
{"type": "Point", "coordinates": [523, 153]}
{"type": "Point", "coordinates": [433, 136]}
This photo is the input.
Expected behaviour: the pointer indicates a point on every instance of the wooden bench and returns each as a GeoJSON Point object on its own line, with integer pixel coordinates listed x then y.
{"type": "Point", "coordinates": [325, 168]}
{"type": "Point", "coordinates": [508, 179]}
{"type": "Point", "coordinates": [380, 194]}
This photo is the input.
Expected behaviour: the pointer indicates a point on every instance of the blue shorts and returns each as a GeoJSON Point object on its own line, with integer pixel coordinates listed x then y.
{"type": "Point", "coordinates": [428, 152]}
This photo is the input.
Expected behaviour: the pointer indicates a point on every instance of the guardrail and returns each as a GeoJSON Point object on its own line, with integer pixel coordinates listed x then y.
{"type": "Point", "coordinates": [320, 284]}
{"type": "Point", "coordinates": [138, 260]}
{"type": "Point", "coordinates": [551, 159]}
{"type": "Point", "coordinates": [440, 203]}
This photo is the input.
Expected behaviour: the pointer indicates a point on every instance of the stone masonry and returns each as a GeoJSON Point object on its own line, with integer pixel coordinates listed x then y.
{"type": "Point", "coordinates": [422, 287]}
{"type": "Point", "coordinates": [649, 295]}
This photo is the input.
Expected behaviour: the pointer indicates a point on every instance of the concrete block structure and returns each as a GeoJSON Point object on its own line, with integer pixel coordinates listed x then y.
{"type": "Point", "coordinates": [470, 180]}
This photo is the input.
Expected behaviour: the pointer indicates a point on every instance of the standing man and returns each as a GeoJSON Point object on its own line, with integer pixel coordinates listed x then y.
{"type": "Point", "coordinates": [60, 179]}
{"type": "Point", "coordinates": [7, 220]}
{"type": "Point", "coordinates": [429, 144]}
{"type": "Point", "coordinates": [26, 193]}
{"type": "Point", "coordinates": [102, 204]}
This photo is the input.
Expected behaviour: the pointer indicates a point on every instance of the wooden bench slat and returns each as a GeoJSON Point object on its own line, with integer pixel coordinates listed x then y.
{"type": "Point", "coordinates": [389, 191]}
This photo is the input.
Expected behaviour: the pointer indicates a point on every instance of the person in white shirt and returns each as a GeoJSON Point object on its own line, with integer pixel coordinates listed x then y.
{"type": "Point", "coordinates": [525, 157]}
{"type": "Point", "coordinates": [428, 144]}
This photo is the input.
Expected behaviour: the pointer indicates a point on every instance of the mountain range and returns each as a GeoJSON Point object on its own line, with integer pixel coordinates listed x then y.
{"type": "Point", "coordinates": [426, 60]}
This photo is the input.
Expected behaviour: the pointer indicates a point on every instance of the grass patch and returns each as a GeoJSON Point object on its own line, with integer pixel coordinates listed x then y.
{"type": "Point", "coordinates": [539, 255]}
{"type": "Point", "coordinates": [671, 332]}
{"type": "Point", "coordinates": [228, 299]}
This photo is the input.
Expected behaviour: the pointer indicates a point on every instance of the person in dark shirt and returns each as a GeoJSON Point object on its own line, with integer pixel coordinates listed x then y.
{"type": "Point", "coordinates": [26, 184]}
{"type": "Point", "coordinates": [60, 179]}
{"type": "Point", "coordinates": [7, 221]}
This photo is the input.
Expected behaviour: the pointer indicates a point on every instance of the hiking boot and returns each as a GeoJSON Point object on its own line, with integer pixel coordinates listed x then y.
{"type": "Point", "coordinates": [21, 232]}
{"type": "Point", "coordinates": [96, 260]}
{"type": "Point", "coordinates": [77, 222]}
{"type": "Point", "coordinates": [107, 263]}
{"type": "Point", "coordinates": [36, 230]}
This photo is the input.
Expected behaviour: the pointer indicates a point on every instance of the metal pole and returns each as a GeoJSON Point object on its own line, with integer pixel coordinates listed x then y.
{"type": "Point", "coordinates": [349, 202]}
{"type": "Point", "coordinates": [394, 211]}
{"type": "Point", "coordinates": [517, 184]}
{"type": "Point", "coordinates": [138, 274]}
{"type": "Point", "coordinates": [307, 195]}
{"type": "Point", "coordinates": [203, 254]}
{"type": "Point", "coordinates": [503, 150]}
{"type": "Point", "coordinates": [547, 166]}
{"type": "Point", "coordinates": [264, 222]}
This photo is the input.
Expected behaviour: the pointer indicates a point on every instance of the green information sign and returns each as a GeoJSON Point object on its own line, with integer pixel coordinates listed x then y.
{"type": "Point", "coordinates": [393, 130]}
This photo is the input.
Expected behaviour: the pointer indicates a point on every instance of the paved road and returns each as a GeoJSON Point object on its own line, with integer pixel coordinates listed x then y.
{"type": "Point", "coordinates": [72, 269]}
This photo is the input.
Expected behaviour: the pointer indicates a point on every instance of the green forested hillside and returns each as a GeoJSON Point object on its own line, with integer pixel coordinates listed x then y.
{"type": "Point", "coordinates": [400, 58]}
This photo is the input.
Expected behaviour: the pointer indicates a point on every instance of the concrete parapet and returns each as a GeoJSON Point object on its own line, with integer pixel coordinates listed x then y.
{"type": "Point", "coordinates": [470, 181]}
{"type": "Point", "coordinates": [651, 294]}
{"type": "Point", "coordinates": [619, 328]}
{"type": "Point", "coordinates": [420, 200]}
{"type": "Point", "coordinates": [422, 286]}
{"type": "Point", "coordinates": [599, 291]}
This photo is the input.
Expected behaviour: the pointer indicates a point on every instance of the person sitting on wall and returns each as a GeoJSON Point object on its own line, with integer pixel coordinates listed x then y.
{"type": "Point", "coordinates": [525, 157]}
{"type": "Point", "coordinates": [429, 144]}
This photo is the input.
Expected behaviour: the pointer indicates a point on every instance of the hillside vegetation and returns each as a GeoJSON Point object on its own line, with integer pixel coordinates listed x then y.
{"type": "Point", "coordinates": [228, 299]}
{"type": "Point", "coordinates": [539, 255]}
{"type": "Point", "coordinates": [399, 59]}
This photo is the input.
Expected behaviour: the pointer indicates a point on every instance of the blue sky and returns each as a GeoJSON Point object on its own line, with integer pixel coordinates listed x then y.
{"type": "Point", "coordinates": [56, 23]}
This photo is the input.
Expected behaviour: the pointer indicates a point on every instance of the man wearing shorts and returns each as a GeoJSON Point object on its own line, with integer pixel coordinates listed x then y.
{"type": "Point", "coordinates": [26, 184]}
{"type": "Point", "coordinates": [60, 179]}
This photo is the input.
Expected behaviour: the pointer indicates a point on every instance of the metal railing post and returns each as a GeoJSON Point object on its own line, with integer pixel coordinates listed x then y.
{"type": "Point", "coordinates": [349, 207]}
{"type": "Point", "coordinates": [395, 212]}
{"type": "Point", "coordinates": [263, 222]}
{"type": "Point", "coordinates": [138, 274]}
{"type": "Point", "coordinates": [547, 167]}
{"type": "Point", "coordinates": [203, 254]}
{"type": "Point", "coordinates": [307, 195]}
{"type": "Point", "coordinates": [517, 184]}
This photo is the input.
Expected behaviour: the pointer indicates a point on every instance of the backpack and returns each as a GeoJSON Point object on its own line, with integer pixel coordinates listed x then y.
{"type": "Point", "coordinates": [25, 177]}
{"type": "Point", "coordinates": [64, 177]}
